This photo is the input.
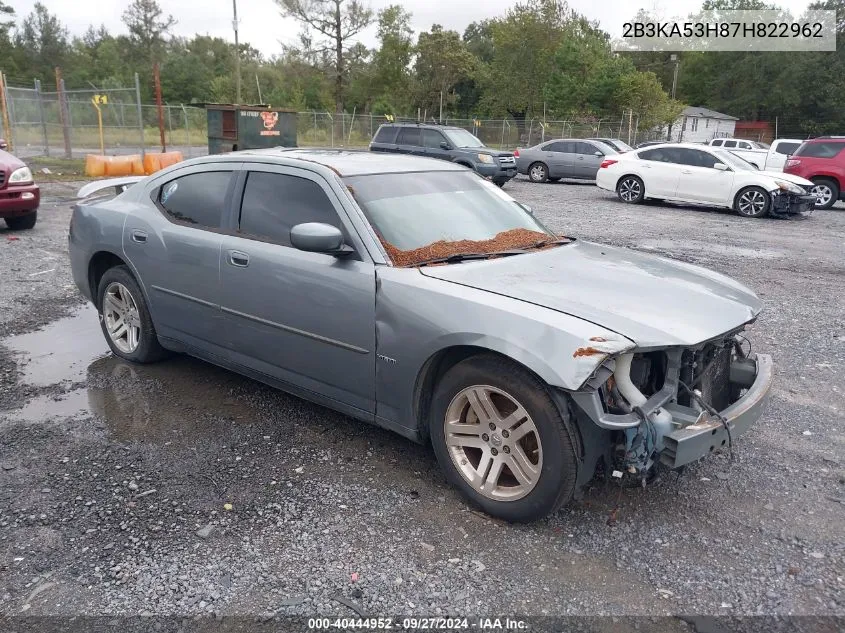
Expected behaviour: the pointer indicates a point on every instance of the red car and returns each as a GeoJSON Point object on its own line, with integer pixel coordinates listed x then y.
{"type": "Point", "coordinates": [821, 160]}
{"type": "Point", "coordinates": [19, 195]}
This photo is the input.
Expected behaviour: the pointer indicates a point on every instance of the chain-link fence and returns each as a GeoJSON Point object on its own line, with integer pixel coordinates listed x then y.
{"type": "Point", "coordinates": [65, 123]}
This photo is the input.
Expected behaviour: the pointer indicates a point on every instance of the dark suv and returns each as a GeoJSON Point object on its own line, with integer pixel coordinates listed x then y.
{"type": "Point", "coordinates": [821, 160]}
{"type": "Point", "coordinates": [446, 143]}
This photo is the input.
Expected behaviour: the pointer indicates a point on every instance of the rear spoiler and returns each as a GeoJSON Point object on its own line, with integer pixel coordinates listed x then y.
{"type": "Point", "coordinates": [118, 184]}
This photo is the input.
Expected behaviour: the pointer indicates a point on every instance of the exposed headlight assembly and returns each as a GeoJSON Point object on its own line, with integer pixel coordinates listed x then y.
{"type": "Point", "coordinates": [788, 186]}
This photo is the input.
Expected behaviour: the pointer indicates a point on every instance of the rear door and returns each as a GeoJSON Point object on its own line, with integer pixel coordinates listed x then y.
{"type": "Point", "coordinates": [557, 158]}
{"type": "Point", "coordinates": [409, 141]}
{"type": "Point", "coordinates": [433, 141]}
{"type": "Point", "coordinates": [307, 319]}
{"type": "Point", "coordinates": [174, 245]}
{"type": "Point", "coordinates": [660, 171]}
{"type": "Point", "coordinates": [586, 161]}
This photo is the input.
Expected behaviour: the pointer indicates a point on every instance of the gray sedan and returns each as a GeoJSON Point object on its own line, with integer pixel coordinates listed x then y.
{"type": "Point", "coordinates": [563, 158]}
{"type": "Point", "coordinates": [415, 295]}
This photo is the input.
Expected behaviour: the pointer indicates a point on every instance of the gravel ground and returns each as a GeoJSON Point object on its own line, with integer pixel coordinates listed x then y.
{"type": "Point", "coordinates": [183, 489]}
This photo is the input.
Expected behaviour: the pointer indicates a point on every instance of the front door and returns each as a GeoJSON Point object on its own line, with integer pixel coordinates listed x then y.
{"type": "Point", "coordinates": [307, 319]}
{"type": "Point", "coordinates": [586, 162]}
{"type": "Point", "coordinates": [175, 248]}
{"type": "Point", "coordinates": [700, 181]}
{"type": "Point", "coordinates": [433, 140]}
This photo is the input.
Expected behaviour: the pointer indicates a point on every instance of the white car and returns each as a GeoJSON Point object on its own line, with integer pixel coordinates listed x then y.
{"type": "Point", "coordinates": [703, 175]}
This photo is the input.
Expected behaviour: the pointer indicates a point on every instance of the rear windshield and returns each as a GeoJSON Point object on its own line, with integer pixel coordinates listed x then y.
{"type": "Point", "coordinates": [787, 148]}
{"type": "Point", "coordinates": [822, 149]}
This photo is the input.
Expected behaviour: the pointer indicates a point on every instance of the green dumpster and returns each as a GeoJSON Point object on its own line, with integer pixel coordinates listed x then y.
{"type": "Point", "coordinates": [234, 127]}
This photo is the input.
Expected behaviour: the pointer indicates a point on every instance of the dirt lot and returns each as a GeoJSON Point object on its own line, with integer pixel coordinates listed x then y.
{"type": "Point", "coordinates": [115, 479]}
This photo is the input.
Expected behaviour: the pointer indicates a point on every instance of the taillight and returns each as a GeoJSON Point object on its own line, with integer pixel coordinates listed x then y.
{"type": "Point", "coordinates": [516, 153]}
{"type": "Point", "coordinates": [793, 162]}
{"type": "Point", "coordinates": [607, 162]}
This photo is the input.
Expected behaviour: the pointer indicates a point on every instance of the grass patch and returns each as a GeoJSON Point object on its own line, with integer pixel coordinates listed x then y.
{"type": "Point", "coordinates": [61, 169]}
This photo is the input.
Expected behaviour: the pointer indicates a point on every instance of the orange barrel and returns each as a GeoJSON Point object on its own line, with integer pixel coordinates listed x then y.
{"type": "Point", "coordinates": [95, 165]}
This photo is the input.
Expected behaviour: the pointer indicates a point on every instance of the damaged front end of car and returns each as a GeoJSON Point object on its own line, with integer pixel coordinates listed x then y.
{"type": "Point", "coordinates": [674, 405]}
{"type": "Point", "coordinates": [792, 199]}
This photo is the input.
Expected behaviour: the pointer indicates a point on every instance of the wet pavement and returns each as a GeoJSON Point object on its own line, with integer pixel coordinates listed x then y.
{"type": "Point", "coordinates": [115, 477]}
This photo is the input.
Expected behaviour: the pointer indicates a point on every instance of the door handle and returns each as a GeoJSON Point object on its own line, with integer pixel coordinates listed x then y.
{"type": "Point", "coordinates": [686, 171]}
{"type": "Point", "coordinates": [139, 236]}
{"type": "Point", "coordinates": [237, 258]}
{"type": "Point", "coordinates": [580, 158]}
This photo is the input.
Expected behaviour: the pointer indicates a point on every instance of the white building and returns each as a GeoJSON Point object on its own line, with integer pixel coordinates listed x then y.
{"type": "Point", "coordinates": [697, 124]}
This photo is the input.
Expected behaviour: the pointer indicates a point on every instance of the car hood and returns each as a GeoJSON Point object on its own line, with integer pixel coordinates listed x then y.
{"type": "Point", "coordinates": [779, 175]}
{"type": "Point", "coordinates": [651, 300]}
{"type": "Point", "coordinates": [484, 150]}
{"type": "Point", "coordinates": [9, 161]}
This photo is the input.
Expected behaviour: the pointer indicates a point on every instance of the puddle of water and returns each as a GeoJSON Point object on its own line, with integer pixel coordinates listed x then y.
{"type": "Point", "coordinates": [179, 397]}
{"type": "Point", "coordinates": [61, 351]}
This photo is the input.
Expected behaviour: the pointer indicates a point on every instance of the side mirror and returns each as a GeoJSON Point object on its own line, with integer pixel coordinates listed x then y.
{"type": "Point", "coordinates": [598, 153]}
{"type": "Point", "coordinates": [316, 237]}
{"type": "Point", "coordinates": [720, 167]}
{"type": "Point", "coordinates": [445, 145]}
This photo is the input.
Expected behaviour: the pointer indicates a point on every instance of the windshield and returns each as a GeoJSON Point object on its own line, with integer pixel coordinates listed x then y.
{"type": "Point", "coordinates": [733, 161]}
{"type": "Point", "coordinates": [423, 216]}
{"type": "Point", "coordinates": [462, 138]}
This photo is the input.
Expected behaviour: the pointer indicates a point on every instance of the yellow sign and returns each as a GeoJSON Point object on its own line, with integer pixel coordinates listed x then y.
{"type": "Point", "coordinates": [101, 99]}
{"type": "Point", "coordinates": [389, 117]}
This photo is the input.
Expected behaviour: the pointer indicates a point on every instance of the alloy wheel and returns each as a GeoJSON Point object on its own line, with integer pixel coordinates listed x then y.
{"type": "Point", "coordinates": [630, 189]}
{"type": "Point", "coordinates": [823, 194]}
{"type": "Point", "coordinates": [121, 316]}
{"type": "Point", "coordinates": [493, 443]}
{"type": "Point", "coordinates": [752, 202]}
{"type": "Point", "coordinates": [538, 173]}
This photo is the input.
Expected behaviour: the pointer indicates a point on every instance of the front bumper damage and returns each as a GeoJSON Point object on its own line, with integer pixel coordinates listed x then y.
{"type": "Point", "coordinates": [670, 426]}
{"type": "Point", "coordinates": [785, 203]}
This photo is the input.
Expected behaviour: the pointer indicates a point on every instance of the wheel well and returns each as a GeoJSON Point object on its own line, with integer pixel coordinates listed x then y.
{"type": "Point", "coordinates": [623, 176]}
{"type": "Point", "coordinates": [97, 267]}
{"type": "Point", "coordinates": [464, 164]}
{"type": "Point", "coordinates": [834, 179]}
{"type": "Point", "coordinates": [434, 369]}
{"type": "Point", "coordinates": [747, 187]}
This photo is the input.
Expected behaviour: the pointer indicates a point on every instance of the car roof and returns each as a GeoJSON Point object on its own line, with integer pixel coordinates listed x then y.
{"type": "Point", "coordinates": [344, 162]}
{"type": "Point", "coordinates": [421, 124]}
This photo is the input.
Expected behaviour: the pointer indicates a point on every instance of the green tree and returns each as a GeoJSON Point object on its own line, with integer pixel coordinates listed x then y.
{"type": "Point", "coordinates": [41, 43]}
{"type": "Point", "coordinates": [334, 23]}
{"type": "Point", "coordinates": [148, 27]}
{"type": "Point", "coordinates": [391, 76]}
{"type": "Point", "coordinates": [442, 61]}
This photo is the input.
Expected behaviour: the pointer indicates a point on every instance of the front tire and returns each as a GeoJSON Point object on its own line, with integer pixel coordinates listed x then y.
{"type": "Point", "coordinates": [23, 222]}
{"type": "Point", "coordinates": [501, 440]}
{"type": "Point", "coordinates": [538, 172]}
{"type": "Point", "coordinates": [753, 202]}
{"type": "Point", "coordinates": [826, 192]}
{"type": "Point", "coordinates": [630, 190]}
{"type": "Point", "coordinates": [125, 318]}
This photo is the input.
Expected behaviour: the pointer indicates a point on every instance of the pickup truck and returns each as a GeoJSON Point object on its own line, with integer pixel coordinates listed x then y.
{"type": "Point", "coordinates": [760, 155]}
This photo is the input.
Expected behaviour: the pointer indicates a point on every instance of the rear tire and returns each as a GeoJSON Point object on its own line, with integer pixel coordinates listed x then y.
{"type": "Point", "coordinates": [538, 172]}
{"type": "Point", "coordinates": [630, 190]}
{"type": "Point", "coordinates": [753, 202]}
{"type": "Point", "coordinates": [125, 318]}
{"type": "Point", "coordinates": [515, 460]}
{"type": "Point", "coordinates": [23, 222]}
{"type": "Point", "coordinates": [826, 192]}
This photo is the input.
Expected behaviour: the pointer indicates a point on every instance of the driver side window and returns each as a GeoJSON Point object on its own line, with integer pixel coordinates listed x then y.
{"type": "Point", "coordinates": [274, 203]}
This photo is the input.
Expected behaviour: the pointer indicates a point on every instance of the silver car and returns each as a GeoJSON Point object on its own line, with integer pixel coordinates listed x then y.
{"type": "Point", "coordinates": [550, 161]}
{"type": "Point", "coordinates": [413, 294]}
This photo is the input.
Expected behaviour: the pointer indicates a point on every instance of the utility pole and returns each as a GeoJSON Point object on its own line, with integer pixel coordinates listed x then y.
{"type": "Point", "coordinates": [237, 54]}
{"type": "Point", "coordinates": [676, 61]}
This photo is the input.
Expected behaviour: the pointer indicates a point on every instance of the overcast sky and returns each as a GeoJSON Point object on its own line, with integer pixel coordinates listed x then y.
{"type": "Point", "coordinates": [263, 27]}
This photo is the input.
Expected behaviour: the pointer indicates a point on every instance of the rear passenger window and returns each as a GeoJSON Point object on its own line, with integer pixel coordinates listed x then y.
{"type": "Point", "coordinates": [717, 143]}
{"type": "Point", "coordinates": [555, 147]}
{"type": "Point", "coordinates": [409, 136]}
{"type": "Point", "coordinates": [385, 134]}
{"type": "Point", "coordinates": [274, 203]}
{"type": "Point", "coordinates": [196, 199]}
{"type": "Point", "coordinates": [820, 150]}
{"type": "Point", "coordinates": [730, 143]}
